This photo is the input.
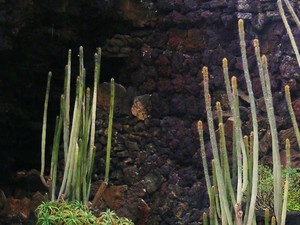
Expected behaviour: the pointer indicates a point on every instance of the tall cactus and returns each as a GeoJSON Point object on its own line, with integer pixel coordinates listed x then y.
{"type": "Point", "coordinates": [78, 143]}
{"type": "Point", "coordinates": [236, 196]}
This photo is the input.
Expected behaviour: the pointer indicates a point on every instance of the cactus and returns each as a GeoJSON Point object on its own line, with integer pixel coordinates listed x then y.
{"type": "Point", "coordinates": [43, 142]}
{"type": "Point", "coordinates": [267, 216]}
{"type": "Point", "coordinates": [287, 26]}
{"type": "Point", "coordinates": [78, 143]}
{"type": "Point", "coordinates": [236, 192]}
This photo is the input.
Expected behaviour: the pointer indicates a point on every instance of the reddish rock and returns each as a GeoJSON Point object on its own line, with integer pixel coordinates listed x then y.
{"type": "Point", "coordinates": [176, 38]}
{"type": "Point", "coordinates": [178, 83]}
{"type": "Point", "coordinates": [296, 107]}
{"type": "Point", "coordinates": [256, 86]}
{"type": "Point", "coordinates": [178, 17]}
{"type": "Point", "coordinates": [114, 196]}
{"type": "Point", "coordinates": [164, 86]}
{"type": "Point", "coordinates": [194, 41]}
{"type": "Point", "coordinates": [164, 66]}
{"type": "Point", "coordinates": [292, 84]}
{"type": "Point", "coordinates": [295, 159]}
{"type": "Point", "coordinates": [149, 85]}
{"type": "Point", "coordinates": [19, 207]}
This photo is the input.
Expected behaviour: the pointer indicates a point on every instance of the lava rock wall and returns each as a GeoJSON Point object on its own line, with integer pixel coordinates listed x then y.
{"type": "Point", "coordinates": [187, 35]}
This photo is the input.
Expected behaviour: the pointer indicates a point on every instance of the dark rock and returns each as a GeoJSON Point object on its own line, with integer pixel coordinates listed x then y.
{"type": "Point", "coordinates": [122, 98]}
{"type": "Point", "coordinates": [178, 105]}
{"type": "Point", "coordinates": [138, 78]}
{"type": "Point", "coordinates": [130, 174]}
{"type": "Point", "coordinates": [296, 107]}
{"type": "Point", "coordinates": [191, 4]}
{"type": "Point", "coordinates": [179, 18]}
{"type": "Point", "coordinates": [288, 134]}
{"type": "Point", "coordinates": [177, 63]}
{"type": "Point", "coordinates": [176, 38]}
{"type": "Point", "coordinates": [153, 181]}
{"type": "Point", "coordinates": [164, 87]}
{"type": "Point", "coordinates": [163, 66]}
{"type": "Point", "coordinates": [178, 83]}
{"type": "Point", "coordinates": [193, 107]}
{"type": "Point", "coordinates": [132, 146]}
{"type": "Point", "coordinates": [165, 5]}
{"type": "Point", "coordinates": [289, 68]}
{"type": "Point", "coordinates": [194, 17]}
{"type": "Point", "coordinates": [194, 40]}
{"type": "Point", "coordinates": [214, 4]}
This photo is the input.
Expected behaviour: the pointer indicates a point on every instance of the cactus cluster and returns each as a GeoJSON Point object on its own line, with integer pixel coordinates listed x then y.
{"type": "Point", "coordinates": [233, 190]}
{"type": "Point", "coordinates": [78, 136]}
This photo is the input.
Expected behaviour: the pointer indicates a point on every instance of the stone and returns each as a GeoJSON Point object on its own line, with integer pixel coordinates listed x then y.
{"type": "Point", "coordinates": [295, 159]}
{"type": "Point", "coordinates": [178, 82]}
{"type": "Point", "coordinates": [114, 196]}
{"type": "Point", "coordinates": [163, 66]}
{"type": "Point", "coordinates": [288, 134]}
{"type": "Point", "coordinates": [191, 4]}
{"type": "Point", "coordinates": [141, 107]}
{"type": "Point", "coordinates": [176, 38]}
{"type": "Point", "coordinates": [132, 145]}
{"type": "Point", "coordinates": [19, 207]}
{"type": "Point", "coordinates": [139, 14]}
{"type": "Point", "coordinates": [194, 40]}
{"type": "Point", "coordinates": [36, 200]}
{"type": "Point", "coordinates": [215, 4]}
{"type": "Point", "coordinates": [289, 67]}
{"type": "Point", "coordinates": [153, 181]}
{"type": "Point", "coordinates": [296, 107]}
{"type": "Point", "coordinates": [122, 98]}
{"type": "Point", "coordinates": [178, 105]}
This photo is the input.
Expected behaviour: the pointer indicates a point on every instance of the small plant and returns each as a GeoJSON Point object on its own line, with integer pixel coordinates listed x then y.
{"type": "Point", "coordinates": [61, 212]}
{"type": "Point", "coordinates": [73, 213]}
{"type": "Point", "coordinates": [265, 195]}
{"type": "Point", "coordinates": [265, 189]}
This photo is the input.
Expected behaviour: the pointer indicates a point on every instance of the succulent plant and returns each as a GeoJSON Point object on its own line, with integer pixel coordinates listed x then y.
{"type": "Point", "coordinates": [74, 212]}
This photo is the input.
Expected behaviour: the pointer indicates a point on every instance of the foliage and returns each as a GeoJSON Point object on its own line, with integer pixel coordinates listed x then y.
{"type": "Point", "coordinates": [265, 189]}
{"type": "Point", "coordinates": [74, 212]}
{"type": "Point", "coordinates": [265, 195]}
{"type": "Point", "coordinates": [61, 212]}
